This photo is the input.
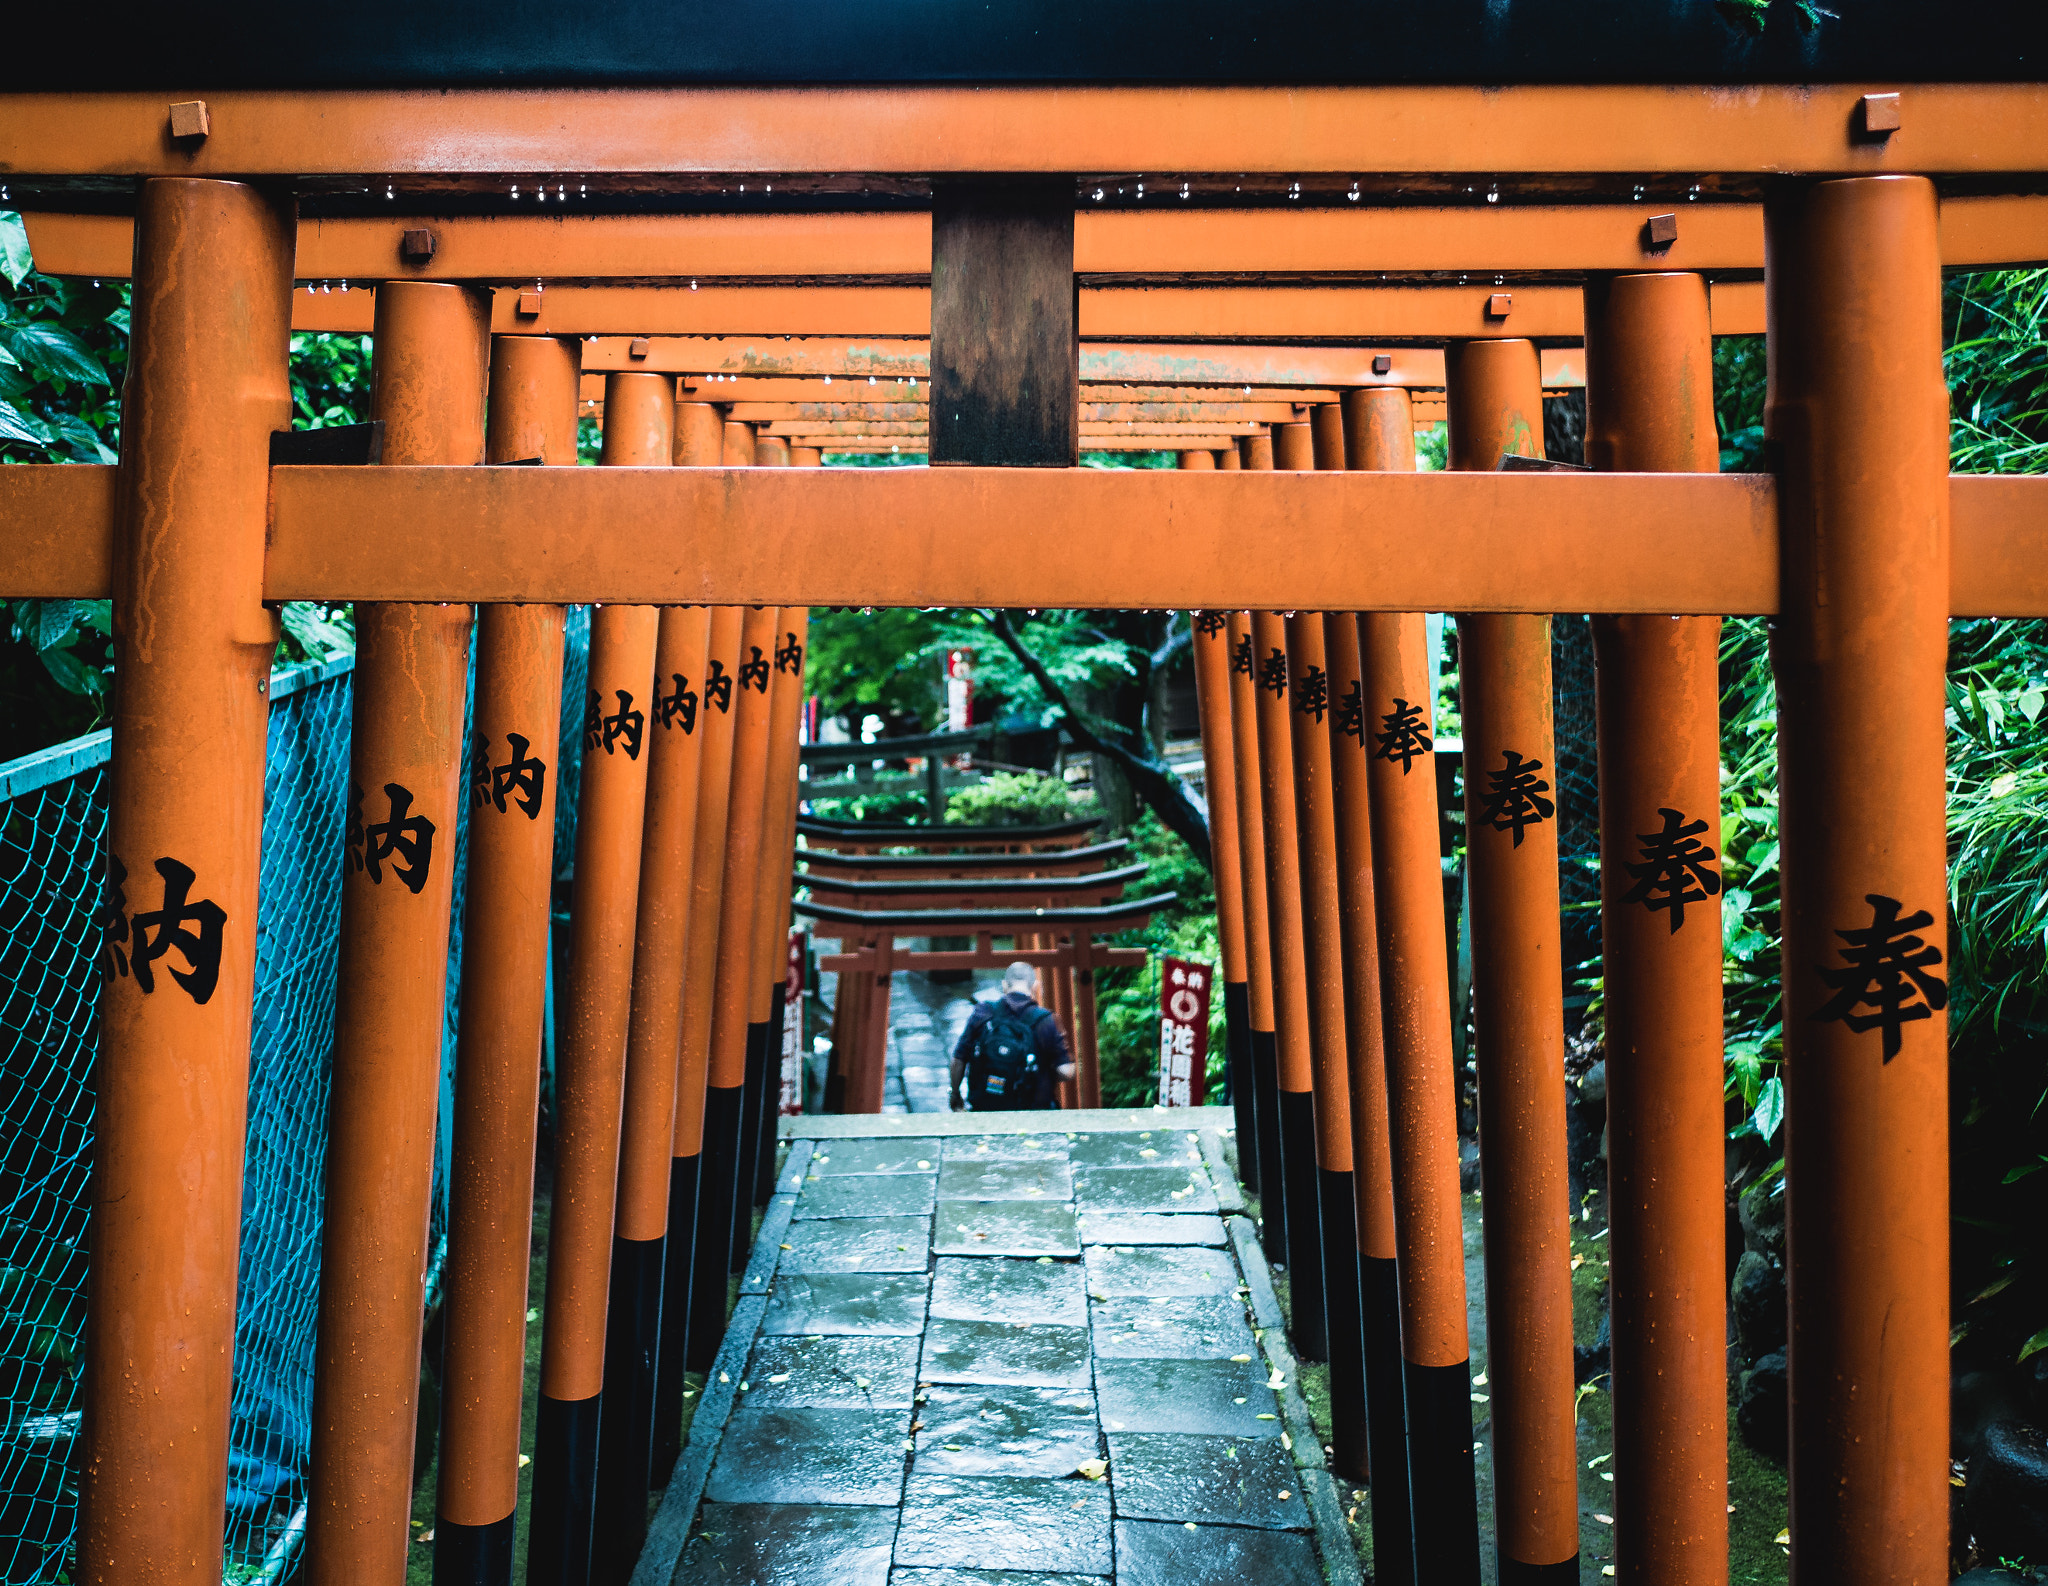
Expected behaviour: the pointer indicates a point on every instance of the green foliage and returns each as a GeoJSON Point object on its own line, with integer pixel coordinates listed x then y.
{"type": "Point", "coordinates": [1010, 798]}
{"type": "Point", "coordinates": [63, 350]}
{"type": "Point", "coordinates": [1739, 402]}
{"type": "Point", "coordinates": [889, 805]}
{"type": "Point", "coordinates": [1127, 1000]}
{"type": "Point", "coordinates": [1998, 378]}
{"type": "Point", "coordinates": [1750, 16]}
{"type": "Point", "coordinates": [882, 662]}
{"type": "Point", "coordinates": [330, 379]}
{"type": "Point", "coordinates": [1749, 859]}
{"type": "Point", "coordinates": [1433, 448]}
{"type": "Point", "coordinates": [63, 346]}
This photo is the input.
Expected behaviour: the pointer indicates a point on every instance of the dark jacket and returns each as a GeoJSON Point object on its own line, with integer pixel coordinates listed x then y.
{"type": "Point", "coordinates": [1048, 1042]}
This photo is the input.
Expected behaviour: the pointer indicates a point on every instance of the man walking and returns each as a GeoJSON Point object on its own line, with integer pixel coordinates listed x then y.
{"type": "Point", "coordinates": [1013, 1053]}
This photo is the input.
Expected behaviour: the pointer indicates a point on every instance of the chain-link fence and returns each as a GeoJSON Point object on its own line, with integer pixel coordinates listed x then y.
{"type": "Point", "coordinates": [53, 820]}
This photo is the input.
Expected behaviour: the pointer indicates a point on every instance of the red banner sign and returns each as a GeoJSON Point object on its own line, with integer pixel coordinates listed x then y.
{"type": "Point", "coordinates": [793, 1028]}
{"type": "Point", "coordinates": [1183, 1031]}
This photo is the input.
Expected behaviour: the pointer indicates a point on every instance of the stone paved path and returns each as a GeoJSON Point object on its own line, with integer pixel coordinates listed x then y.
{"type": "Point", "coordinates": [1043, 1355]}
{"type": "Point", "coordinates": [925, 1021]}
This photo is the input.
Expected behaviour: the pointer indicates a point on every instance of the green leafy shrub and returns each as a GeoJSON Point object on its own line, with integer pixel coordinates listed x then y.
{"type": "Point", "coordinates": [1011, 798]}
{"type": "Point", "coordinates": [1127, 1000]}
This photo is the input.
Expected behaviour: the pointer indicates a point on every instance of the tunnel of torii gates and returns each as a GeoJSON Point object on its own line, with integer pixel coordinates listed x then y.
{"type": "Point", "coordinates": [996, 258]}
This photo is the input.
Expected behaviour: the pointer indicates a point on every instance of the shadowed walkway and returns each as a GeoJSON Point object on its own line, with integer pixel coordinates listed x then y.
{"type": "Point", "coordinates": [1038, 1344]}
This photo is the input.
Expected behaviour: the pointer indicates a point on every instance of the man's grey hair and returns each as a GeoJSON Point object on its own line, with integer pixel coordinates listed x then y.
{"type": "Point", "coordinates": [1020, 976]}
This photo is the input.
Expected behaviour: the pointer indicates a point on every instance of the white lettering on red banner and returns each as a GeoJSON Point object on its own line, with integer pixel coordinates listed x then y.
{"type": "Point", "coordinates": [1183, 1031]}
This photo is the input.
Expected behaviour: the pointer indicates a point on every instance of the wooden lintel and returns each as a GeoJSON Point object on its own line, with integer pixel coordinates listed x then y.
{"type": "Point", "coordinates": [641, 139]}
{"type": "Point", "coordinates": [1564, 542]}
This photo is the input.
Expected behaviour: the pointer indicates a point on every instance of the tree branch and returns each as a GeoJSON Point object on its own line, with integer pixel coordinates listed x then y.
{"type": "Point", "coordinates": [1154, 782]}
{"type": "Point", "coordinates": [1180, 639]}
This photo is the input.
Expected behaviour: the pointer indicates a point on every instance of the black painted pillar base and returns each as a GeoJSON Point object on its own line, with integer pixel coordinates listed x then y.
{"type": "Point", "coordinates": [1443, 1503]}
{"type": "Point", "coordinates": [1237, 1026]}
{"type": "Point", "coordinates": [473, 1555]}
{"type": "Point", "coordinates": [711, 1262]}
{"type": "Point", "coordinates": [1348, 1412]}
{"type": "Point", "coordinates": [671, 1358]}
{"type": "Point", "coordinates": [1272, 1169]}
{"type": "Point", "coordinates": [564, 1491]}
{"type": "Point", "coordinates": [626, 1434]}
{"type": "Point", "coordinates": [747, 1142]}
{"type": "Point", "coordinates": [1386, 1396]}
{"type": "Point", "coordinates": [771, 1101]}
{"type": "Point", "coordinates": [1304, 1225]}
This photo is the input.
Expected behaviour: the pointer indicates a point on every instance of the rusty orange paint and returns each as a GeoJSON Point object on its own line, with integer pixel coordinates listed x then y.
{"type": "Point", "coordinates": [479, 135]}
{"type": "Point", "coordinates": [1471, 542]}
{"type": "Point", "coordinates": [699, 435]}
{"type": "Point", "coordinates": [1858, 404]}
{"type": "Point", "coordinates": [1251, 826]}
{"type": "Point", "coordinates": [739, 445]}
{"type": "Point", "coordinates": [790, 638]}
{"type": "Point", "coordinates": [1414, 973]}
{"type": "Point", "coordinates": [732, 988]}
{"type": "Point", "coordinates": [707, 885]}
{"type": "Point", "coordinates": [895, 363]}
{"type": "Point", "coordinates": [1496, 408]}
{"type": "Point", "coordinates": [505, 929]}
{"type": "Point", "coordinates": [1358, 921]}
{"type": "Point", "coordinates": [597, 983]}
{"type": "Point", "coordinates": [1998, 229]}
{"type": "Point", "coordinates": [1293, 446]}
{"type": "Point", "coordinates": [1385, 541]}
{"type": "Point", "coordinates": [1219, 780]}
{"type": "Point", "coordinates": [391, 998]}
{"type": "Point", "coordinates": [207, 385]}
{"type": "Point", "coordinates": [1650, 407]}
{"type": "Point", "coordinates": [1321, 909]}
{"type": "Point", "coordinates": [661, 932]}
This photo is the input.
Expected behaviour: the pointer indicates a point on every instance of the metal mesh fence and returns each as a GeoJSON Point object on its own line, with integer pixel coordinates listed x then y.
{"type": "Point", "coordinates": [53, 818]}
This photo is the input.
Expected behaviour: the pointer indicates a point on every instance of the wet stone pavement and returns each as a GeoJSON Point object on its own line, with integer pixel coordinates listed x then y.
{"type": "Point", "coordinates": [1019, 1358]}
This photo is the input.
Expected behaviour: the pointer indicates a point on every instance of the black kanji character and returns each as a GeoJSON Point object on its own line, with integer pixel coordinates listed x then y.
{"type": "Point", "coordinates": [1312, 693]}
{"type": "Point", "coordinates": [114, 918]}
{"type": "Point", "coordinates": [593, 722]}
{"type": "Point", "coordinates": [479, 770]}
{"type": "Point", "coordinates": [1349, 719]}
{"type": "Point", "coordinates": [1241, 655]}
{"type": "Point", "coordinates": [405, 838]}
{"type": "Point", "coordinates": [1517, 799]}
{"type": "Point", "coordinates": [1273, 673]}
{"type": "Point", "coordinates": [718, 688]}
{"type": "Point", "coordinates": [157, 931]}
{"type": "Point", "coordinates": [1402, 737]}
{"type": "Point", "coordinates": [523, 773]}
{"type": "Point", "coordinates": [789, 655]}
{"type": "Point", "coordinates": [1887, 971]}
{"type": "Point", "coordinates": [679, 708]}
{"type": "Point", "coordinates": [1675, 870]}
{"type": "Point", "coordinates": [352, 833]}
{"type": "Point", "coordinates": [625, 723]}
{"type": "Point", "coordinates": [754, 673]}
{"type": "Point", "coordinates": [1209, 623]}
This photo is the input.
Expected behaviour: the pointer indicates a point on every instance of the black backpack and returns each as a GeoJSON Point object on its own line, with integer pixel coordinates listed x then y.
{"type": "Point", "coordinates": [1003, 1074]}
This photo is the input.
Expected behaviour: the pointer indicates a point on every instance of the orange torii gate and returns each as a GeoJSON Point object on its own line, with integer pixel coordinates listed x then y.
{"type": "Point", "coordinates": [879, 956]}
{"type": "Point", "coordinates": [861, 1027]}
{"type": "Point", "coordinates": [1862, 550]}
